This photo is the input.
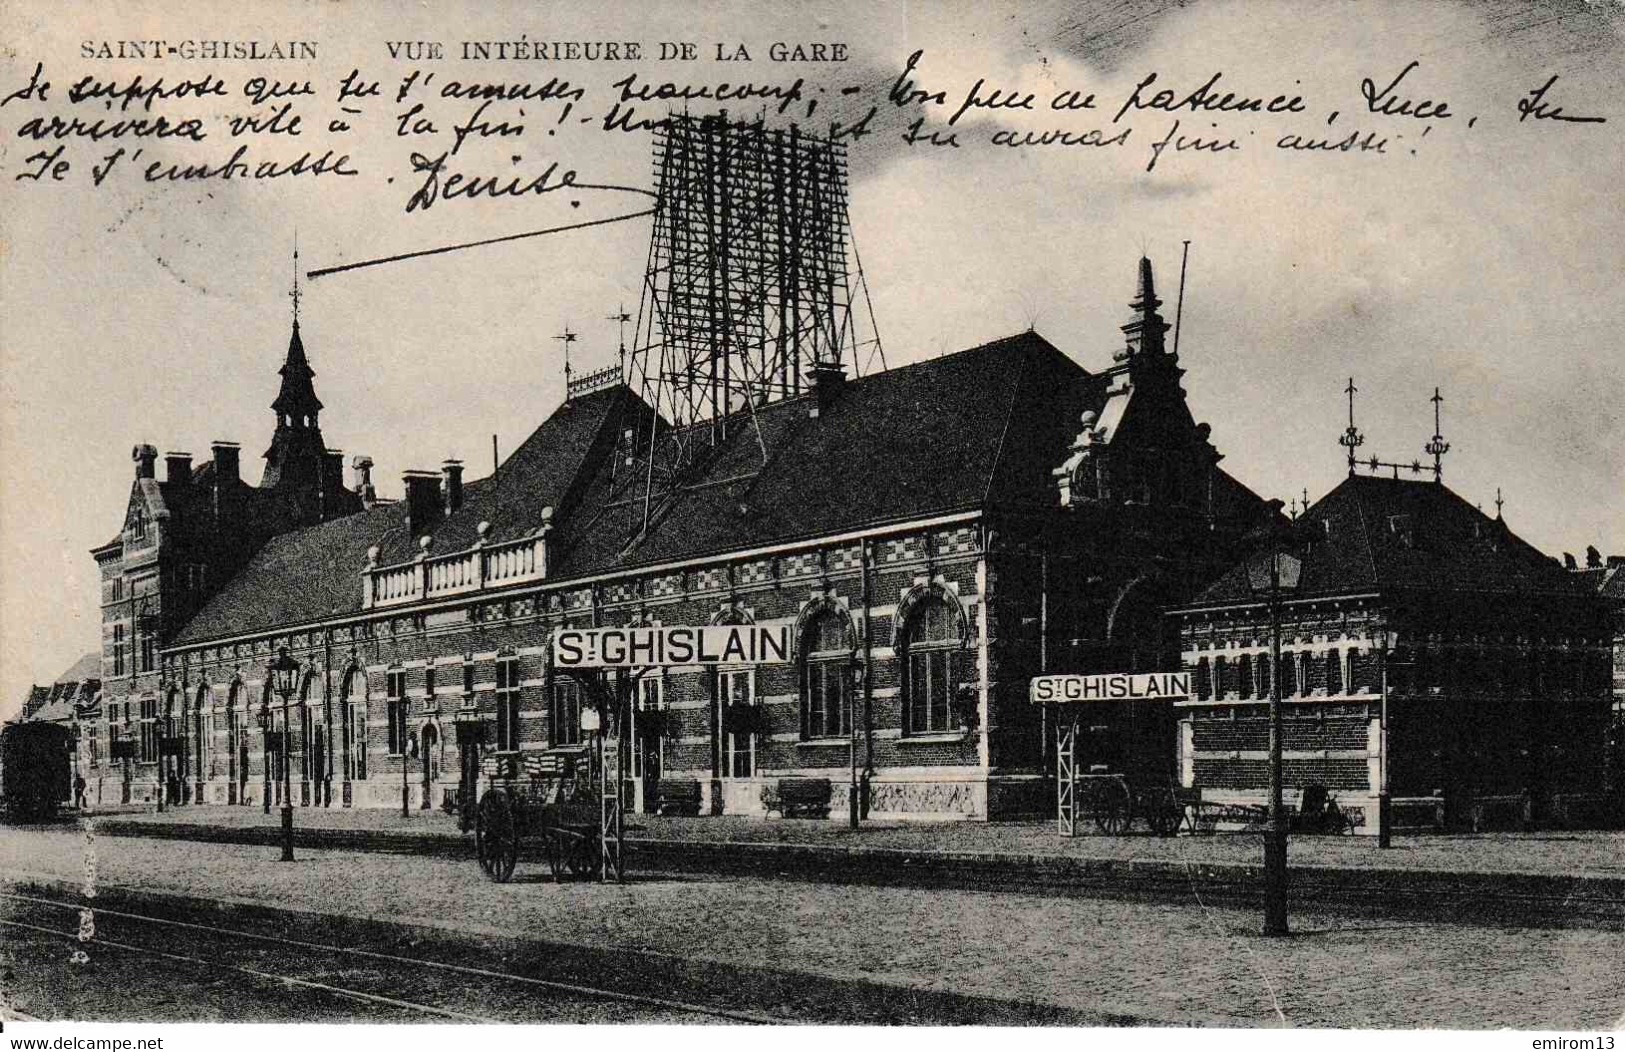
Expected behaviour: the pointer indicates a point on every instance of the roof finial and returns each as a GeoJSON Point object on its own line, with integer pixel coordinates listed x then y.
{"type": "Point", "coordinates": [621, 318]}
{"type": "Point", "coordinates": [295, 292]}
{"type": "Point", "coordinates": [1352, 439]}
{"type": "Point", "coordinates": [1438, 446]}
{"type": "Point", "coordinates": [567, 338]}
{"type": "Point", "coordinates": [1498, 502]}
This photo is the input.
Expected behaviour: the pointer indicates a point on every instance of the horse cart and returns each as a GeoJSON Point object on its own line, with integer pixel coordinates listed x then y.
{"type": "Point", "coordinates": [1115, 803]}
{"type": "Point", "coordinates": [547, 808]}
{"type": "Point", "coordinates": [1114, 753]}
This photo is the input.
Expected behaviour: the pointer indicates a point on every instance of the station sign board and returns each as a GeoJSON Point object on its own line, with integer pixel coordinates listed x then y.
{"type": "Point", "coordinates": [646, 646]}
{"type": "Point", "coordinates": [1111, 686]}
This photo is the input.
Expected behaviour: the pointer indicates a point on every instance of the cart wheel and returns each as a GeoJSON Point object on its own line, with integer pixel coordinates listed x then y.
{"type": "Point", "coordinates": [1163, 818]}
{"type": "Point", "coordinates": [1112, 815]}
{"type": "Point", "coordinates": [496, 836]}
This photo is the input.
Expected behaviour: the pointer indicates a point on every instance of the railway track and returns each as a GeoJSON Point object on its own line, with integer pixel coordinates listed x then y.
{"type": "Point", "coordinates": [388, 984]}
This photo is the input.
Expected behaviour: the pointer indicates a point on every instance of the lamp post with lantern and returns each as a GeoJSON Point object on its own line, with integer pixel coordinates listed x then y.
{"type": "Point", "coordinates": [1272, 573]}
{"type": "Point", "coordinates": [285, 678]}
{"type": "Point", "coordinates": [265, 751]}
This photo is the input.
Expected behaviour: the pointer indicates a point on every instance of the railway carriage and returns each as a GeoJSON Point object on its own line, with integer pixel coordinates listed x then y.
{"type": "Point", "coordinates": [34, 777]}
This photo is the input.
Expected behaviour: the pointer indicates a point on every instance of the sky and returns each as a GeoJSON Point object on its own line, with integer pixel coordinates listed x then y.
{"type": "Point", "coordinates": [1477, 252]}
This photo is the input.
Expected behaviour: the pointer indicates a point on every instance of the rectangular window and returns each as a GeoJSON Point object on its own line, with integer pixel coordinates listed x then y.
{"type": "Point", "coordinates": [428, 687]}
{"type": "Point", "coordinates": [507, 703]}
{"type": "Point", "coordinates": [736, 690]}
{"type": "Point", "coordinates": [92, 738]}
{"type": "Point", "coordinates": [148, 648]}
{"type": "Point", "coordinates": [118, 650]}
{"type": "Point", "coordinates": [564, 712]}
{"type": "Point", "coordinates": [930, 674]}
{"type": "Point", "coordinates": [647, 746]}
{"type": "Point", "coordinates": [828, 700]}
{"type": "Point", "coordinates": [468, 679]}
{"type": "Point", "coordinates": [149, 730]}
{"type": "Point", "coordinates": [396, 688]}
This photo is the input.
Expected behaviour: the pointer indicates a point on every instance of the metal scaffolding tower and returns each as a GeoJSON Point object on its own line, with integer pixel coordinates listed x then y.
{"type": "Point", "coordinates": [747, 289]}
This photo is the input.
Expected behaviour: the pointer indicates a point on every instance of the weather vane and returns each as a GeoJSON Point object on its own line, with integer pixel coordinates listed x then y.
{"type": "Point", "coordinates": [1352, 439]}
{"type": "Point", "coordinates": [621, 318]}
{"type": "Point", "coordinates": [567, 338]}
{"type": "Point", "coordinates": [1438, 447]}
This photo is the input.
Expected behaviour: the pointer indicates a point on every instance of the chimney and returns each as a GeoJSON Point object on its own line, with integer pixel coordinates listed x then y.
{"type": "Point", "coordinates": [451, 473]}
{"type": "Point", "coordinates": [178, 468]}
{"type": "Point", "coordinates": [146, 460]}
{"type": "Point", "coordinates": [331, 482]}
{"type": "Point", "coordinates": [225, 462]}
{"type": "Point", "coordinates": [825, 381]}
{"type": "Point", "coordinates": [363, 479]}
{"type": "Point", "coordinates": [423, 507]}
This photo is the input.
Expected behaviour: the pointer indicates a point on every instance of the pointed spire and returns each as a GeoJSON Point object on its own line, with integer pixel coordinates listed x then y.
{"type": "Point", "coordinates": [1144, 334]}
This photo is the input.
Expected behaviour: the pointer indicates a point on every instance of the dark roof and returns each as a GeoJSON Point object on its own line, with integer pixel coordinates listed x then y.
{"type": "Point", "coordinates": [1374, 534]}
{"type": "Point", "coordinates": [75, 688]}
{"type": "Point", "coordinates": [1606, 581]}
{"type": "Point", "coordinates": [315, 572]}
{"type": "Point", "coordinates": [87, 667]}
{"type": "Point", "coordinates": [985, 426]}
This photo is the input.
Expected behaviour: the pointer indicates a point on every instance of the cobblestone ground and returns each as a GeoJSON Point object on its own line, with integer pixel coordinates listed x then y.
{"type": "Point", "coordinates": [1183, 963]}
{"type": "Point", "coordinates": [1564, 853]}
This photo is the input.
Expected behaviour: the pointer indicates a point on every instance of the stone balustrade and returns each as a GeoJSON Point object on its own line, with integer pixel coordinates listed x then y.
{"type": "Point", "coordinates": [429, 577]}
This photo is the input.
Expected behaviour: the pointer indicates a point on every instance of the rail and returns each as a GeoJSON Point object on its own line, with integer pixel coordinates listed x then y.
{"type": "Point", "coordinates": [484, 565]}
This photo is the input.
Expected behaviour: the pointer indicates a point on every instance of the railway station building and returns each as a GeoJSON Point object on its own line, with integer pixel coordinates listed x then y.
{"type": "Point", "coordinates": [934, 535]}
{"type": "Point", "coordinates": [1425, 646]}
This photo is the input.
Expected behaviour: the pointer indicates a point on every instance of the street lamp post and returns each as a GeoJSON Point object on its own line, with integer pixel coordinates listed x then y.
{"type": "Point", "coordinates": [285, 675]}
{"type": "Point", "coordinates": [1274, 574]}
{"type": "Point", "coordinates": [406, 762]}
{"type": "Point", "coordinates": [1385, 813]}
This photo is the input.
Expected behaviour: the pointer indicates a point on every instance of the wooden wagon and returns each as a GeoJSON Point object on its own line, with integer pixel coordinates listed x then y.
{"type": "Point", "coordinates": [1117, 770]}
{"type": "Point", "coordinates": [1116, 803]}
{"type": "Point", "coordinates": [548, 810]}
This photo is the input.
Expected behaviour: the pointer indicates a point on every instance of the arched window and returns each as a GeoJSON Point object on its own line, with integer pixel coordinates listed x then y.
{"type": "Point", "coordinates": [930, 642]}
{"type": "Point", "coordinates": [203, 730]}
{"type": "Point", "coordinates": [355, 708]}
{"type": "Point", "coordinates": [826, 681]}
{"type": "Point", "coordinates": [235, 736]}
{"type": "Point", "coordinates": [306, 750]}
